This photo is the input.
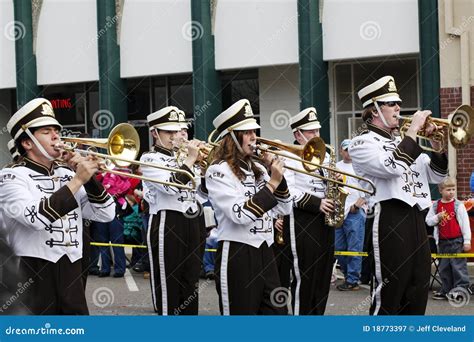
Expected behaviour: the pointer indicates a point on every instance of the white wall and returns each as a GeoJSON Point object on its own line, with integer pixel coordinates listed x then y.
{"type": "Point", "coordinates": [369, 28]}
{"type": "Point", "coordinates": [156, 37]}
{"type": "Point", "coordinates": [66, 46]}
{"type": "Point", "coordinates": [279, 100]}
{"type": "Point", "coordinates": [7, 44]}
{"type": "Point", "coordinates": [255, 33]}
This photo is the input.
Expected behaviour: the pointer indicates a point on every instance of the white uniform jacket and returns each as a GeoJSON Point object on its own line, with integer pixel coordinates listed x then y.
{"type": "Point", "coordinates": [166, 197]}
{"type": "Point", "coordinates": [43, 219]}
{"type": "Point", "coordinates": [306, 191]}
{"type": "Point", "coordinates": [398, 168]}
{"type": "Point", "coordinates": [242, 207]}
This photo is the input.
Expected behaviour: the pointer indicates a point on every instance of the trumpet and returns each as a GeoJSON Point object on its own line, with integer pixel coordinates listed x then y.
{"type": "Point", "coordinates": [123, 146]}
{"type": "Point", "coordinates": [460, 128]}
{"type": "Point", "coordinates": [181, 150]}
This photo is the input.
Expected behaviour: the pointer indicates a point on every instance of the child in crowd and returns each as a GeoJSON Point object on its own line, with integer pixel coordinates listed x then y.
{"type": "Point", "coordinates": [453, 235]}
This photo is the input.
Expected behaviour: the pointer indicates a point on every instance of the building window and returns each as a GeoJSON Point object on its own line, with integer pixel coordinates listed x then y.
{"type": "Point", "coordinates": [7, 109]}
{"type": "Point", "coordinates": [69, 104]}
{"type": "Point", "coordinates": [160, 93]}
{"type": "Point", "coordinates": [350, 77]}
{"type": "Point", "coordinates": [138, 98]}
{"type": "Point", "coordinates": [239, 85]}
{"type": "Point", "coordinates": [181, 93]}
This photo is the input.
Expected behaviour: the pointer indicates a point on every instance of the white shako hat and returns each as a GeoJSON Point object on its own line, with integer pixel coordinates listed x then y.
{"type": "Point", "coordinates": [305, 120]}
{"type": "Point", "coordinates": [238, 117]}
{"type": "Point", "coordinates": [382, 90]}
{"type": "Point", "coordinates": [166, 119]}
{"type": "Point", "coordinates": [36, 113]}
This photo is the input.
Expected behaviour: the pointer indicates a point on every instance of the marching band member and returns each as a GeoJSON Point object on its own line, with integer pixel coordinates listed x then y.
{"type": "Point", "coordinates": [242, 194]}
{"type": "Point", "coordinates": [173, 236]}
{"type": "Point", "coordinates": [401, 173]}
{"type": "Point", "coordinates": [312, 242]}
{"type": "Point", "coordinates": [43, 203]}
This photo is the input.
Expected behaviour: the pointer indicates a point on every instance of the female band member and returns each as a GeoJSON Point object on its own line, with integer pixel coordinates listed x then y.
{"type": "Point", "coordinates": [242, 194]}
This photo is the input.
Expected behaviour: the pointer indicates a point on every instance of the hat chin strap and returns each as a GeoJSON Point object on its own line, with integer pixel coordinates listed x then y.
{"type": "Point", "coordinates": [39, 146]}
{"type": "Point", "coordinates": [381, 116]}
{"type": "Point", "coordinates": [158, 137]}
{"type": "Point", "coordinates": [302, 135]}
{"type": "Point", "coordinates": [236, 142]}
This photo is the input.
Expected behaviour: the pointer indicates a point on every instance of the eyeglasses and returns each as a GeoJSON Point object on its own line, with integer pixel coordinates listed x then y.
{"type": "Point", "coordinates": [391, 103]}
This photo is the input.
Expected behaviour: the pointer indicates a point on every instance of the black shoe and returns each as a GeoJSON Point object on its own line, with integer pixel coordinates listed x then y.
{"type": "Point", "coordinates": [104, 274]}
{"type": "Point", "coordinates": [118, 275]}
{"type": "Point", "coordinates": [140, 268]}
{"type": "Point", "coordinates": [347, 287]}
{"type": "Point", "coordinates": [210, 275]}
{"type": "Point", "coordinates": [94, 271]}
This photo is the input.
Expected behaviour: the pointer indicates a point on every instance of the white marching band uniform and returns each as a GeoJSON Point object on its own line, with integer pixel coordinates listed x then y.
{"type": "Point", "coordinates": [43, 219]}
{"type": "Point", "coordinates": [401, 173]}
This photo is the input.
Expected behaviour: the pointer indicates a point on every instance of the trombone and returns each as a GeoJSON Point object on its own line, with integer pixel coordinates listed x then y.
{"type": "Point", "coordinates": [123, 146]}
{"type": "Point", "coordinates": [460, 127]}
{"type": "Point", "coordinates": [311, 156]}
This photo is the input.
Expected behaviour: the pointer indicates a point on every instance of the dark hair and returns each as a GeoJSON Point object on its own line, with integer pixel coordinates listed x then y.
{"type": "Point", "coordinates": [367, 113]}
{"type": "Point", "coordinates": [23, 136]}
{"type": "Point", "coordinates": [134, 168]}
{"type": "Point", "coordinates": [228, 152]}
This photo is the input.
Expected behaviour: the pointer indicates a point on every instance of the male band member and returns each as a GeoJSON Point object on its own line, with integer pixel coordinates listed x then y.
{"type": "Point", "coordinates": [173, 236]}
{"type": "Point", "coordinates": [43, 203]}
{"type": "Point", "coordinates": [401, 173]}
{"type": "Point", "coordinates": [312, 242]}
{"type": "Point", "coordinates": [242, 194]}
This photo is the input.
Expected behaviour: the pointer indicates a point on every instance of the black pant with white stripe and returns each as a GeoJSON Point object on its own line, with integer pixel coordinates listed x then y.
{"type": "Point", "coordinates": [312, 245]}
{"type": "Point", "coordinates": [175, 249]}
{"type": "Point", "coordinates": [247, 280]}
{"type": "Point", "coordinates": [402, 260]}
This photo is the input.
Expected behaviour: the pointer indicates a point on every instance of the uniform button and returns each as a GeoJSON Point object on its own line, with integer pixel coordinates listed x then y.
{"type": "Point", "coordinates": [67, 230]}
{"type": "Point", "coordinates": [68, 244]}
{"type": "Point", "coordinates": [63, 218]}
{"type": "Point", "coordinates": [56, 179]}
{"type": "Point", "coordinates": [411, 183]}
{"type": "Point", "coordinates": [409, 172]}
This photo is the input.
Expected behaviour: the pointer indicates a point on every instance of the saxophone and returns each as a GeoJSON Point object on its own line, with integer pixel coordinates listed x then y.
{"type": "Point", "coordinates": [336, 193]}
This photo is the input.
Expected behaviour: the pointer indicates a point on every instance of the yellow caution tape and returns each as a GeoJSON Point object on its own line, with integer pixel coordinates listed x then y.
{"type": "Point", "coordinates": [348, 253]}
{"type": "Point", "coordinates": [452, 255]}
{"type": "Point", "coordinates": [101, 244]}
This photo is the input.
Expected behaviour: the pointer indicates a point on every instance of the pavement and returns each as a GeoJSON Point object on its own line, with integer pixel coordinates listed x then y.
{"type": "Point", "coordinates": [131, 296]}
